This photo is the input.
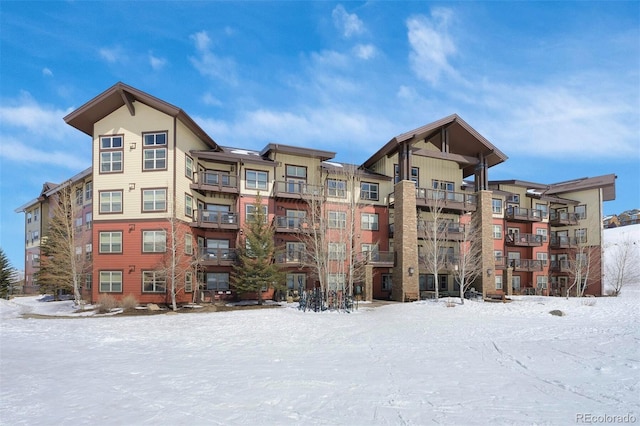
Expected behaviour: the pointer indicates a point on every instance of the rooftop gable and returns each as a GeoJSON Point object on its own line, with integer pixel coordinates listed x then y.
{"type": "Point", "coordinates": [121, 94]}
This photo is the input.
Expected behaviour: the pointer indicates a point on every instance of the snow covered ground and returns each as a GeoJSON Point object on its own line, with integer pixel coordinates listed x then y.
{"type": "Point", "coordinates": [416, 363]}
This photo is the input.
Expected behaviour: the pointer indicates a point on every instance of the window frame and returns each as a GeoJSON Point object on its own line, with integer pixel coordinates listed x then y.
{"type": "Point", "coordinates": [111, 273]}
{"type": "Point", "coordinates": [369, 191]}
{"type": "Point", "coordinates": [110, 244]}
{"type": "Point", "coordinates": [110, 150]}
{"type": "Point", "coordinates": [155, 191]}
{"type": "Point", "coordinates": [188, 282]}
{"type": "Point", "coordinates": [337, 222]}
{"type": "Point", "coordinates": [371, 225]}
{"type": "Point", "coordinates": [249, 216]}
{"type": "Point", "coordinates": [188, 167]}
{"type": "Point", "coordinates": [336, 188]}
{"type": "Point", "coordinates": [337, 251]}
{"type": "Point", "coordinates": [155, 147]}
{"type": "Point", "coordinates": [496, 206]}
{"type": "Point", "coordinates": [146, 233]}
{"type": "Point", "coordinates": [256, 180]}
{"type": "Point", "coordinates": [188, 205]}
{"type": "Point", "coordinates": [496, 235]}
{"type": "Point", "coordinates": [111, 203]}
{"type": "Point", "coordinates": [158, 282]}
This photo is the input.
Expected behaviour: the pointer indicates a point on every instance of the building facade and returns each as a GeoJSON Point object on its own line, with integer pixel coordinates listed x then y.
{"type": "Point", "coordinates": [161, 191]}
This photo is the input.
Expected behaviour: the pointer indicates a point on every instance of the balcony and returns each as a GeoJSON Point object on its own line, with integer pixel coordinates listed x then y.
{"type": "Point", "coordinates": [526, 265]}
{"type": "Point", "coordinates": [564, 242]}
{"type": "Point", "coordinates": [500, 262]}
{"type": "Point", "coordinates": [297, 190]}
{"type": "Point", "coordinates": [289, 224]}
{"type": "Point", "coordinates": [448, 201]}
{"type": "Point", "coordinates": [563, 219]}
{"type": "Point", "coordinates": [377, 259]}
{"type": "Point", "coordinates": [520, 214]}
{"type": "Point", "coordinates": [216, 256]}
{"type": "Point", "coordinates": [562, 266]}
{"type": "Point", "coordinates": [215, 220]}
{"type": "Point", "coordinates": [292, 257]}
{"type": "Point", "coordinates": [524, 240]}
{"type": "Point", "coordinates": [448, 231]}
{"type": "Point", "coordinates": [210, 181]}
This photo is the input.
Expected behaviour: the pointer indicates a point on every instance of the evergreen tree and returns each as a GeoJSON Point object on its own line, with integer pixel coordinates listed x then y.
{"type": "Point", "coordinates": [256, 268]}
{"type": "Point", "coordinates": [6, 271]}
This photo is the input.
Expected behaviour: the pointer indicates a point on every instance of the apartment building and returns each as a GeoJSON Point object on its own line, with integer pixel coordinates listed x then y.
{"type": "Point", "coordinates": [158, 180]}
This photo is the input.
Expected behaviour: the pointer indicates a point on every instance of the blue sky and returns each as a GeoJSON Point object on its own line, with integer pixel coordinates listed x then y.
{"type": "Point", "coordinates": [554, 85]}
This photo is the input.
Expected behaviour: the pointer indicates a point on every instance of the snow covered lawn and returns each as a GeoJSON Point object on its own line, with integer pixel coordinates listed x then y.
{"type": "Point", "coordinates": [417, 363]}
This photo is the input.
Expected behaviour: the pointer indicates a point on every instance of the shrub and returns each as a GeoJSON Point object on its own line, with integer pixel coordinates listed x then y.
{"type": "Point", "coordinates": [589, 301]}
{"type": "Point", "coordinates": [106, 303]}
{"type": "Point", "coordinates": [129, 302]}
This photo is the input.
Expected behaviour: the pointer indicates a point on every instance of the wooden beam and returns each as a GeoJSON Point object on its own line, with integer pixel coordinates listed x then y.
{"type": "Point", "coordinates": [128, 101]}
{"type": "Point", "coordinates": [463, 160]}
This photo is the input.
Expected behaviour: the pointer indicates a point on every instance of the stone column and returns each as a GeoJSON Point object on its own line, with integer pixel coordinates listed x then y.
{"type": "Point", "coordinates": [506, 281]}
{"type": "Point", "coordinates": [368, 283]}
{"type": "Point", "coordinates": [485, 221]}
{"type": "Point", "coordinates": [405, 241]}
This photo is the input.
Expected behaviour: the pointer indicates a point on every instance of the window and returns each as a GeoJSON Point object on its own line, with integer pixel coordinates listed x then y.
{"type": "Point", "coordinates": [188, 282]}
{"type": "Point", "coordinates": [88, 219]}
{"type": "Point", "coordinates": [154, 200]}
{"type": "Point", "coordinates": [295, 252]}
{"type": "Point", "coordinates": [36, 213]}
{"type": "Point", "coordinates": [581, 235]}
{"type": "Point", "coordinates": [337, 220]}
{"type": "Point", "coordinates": [154, 151]}
{"type": "Point", "coordinates": [415, 174]}
{"type": "Point", "coordinates": [296, 282]}
{"type": "Point", "coordinates": [295, 218]}
{"type": "Point", "coordinates": [188, 205]}
{"type": "Point", "coordinates": [110, 242]}
{"type": "Point", "coordinates": [387, 282]}
{"type": "Point", "coordinates": [543, 232]}
{"type": "Point", "coordinates": [543, 208]}
{"type": "Point", "coordinates": [369, 191]}
{"type": "Point", "coordinates": [188, 244]}
{"type": "Point", "coordinates": [442, 185]}
{"type": "Point", "coordinates": [188, 167]}
{"type": "Point", "coordinates": [496, 206]}
{"type": "Point", "coordinates": [543, 257]}
{"type": "Point", "coordinates": [217, 281]}
{"type": "Point", "coordinates": [256, 179]}
{"type": "Point", "coordinates": [337, 251]}
{"type": "Point", "coordinates": [88, 191]}
{"type": "Point", "coordinates": [497, 232]}
{"type": "Point", "coordinates": [154, 282]}
{"type": "Point", "coordinates": [369, 221]}
{"type": "Point", "coordinates": [36, 235]}
{"type": "Point", "coordinates": [498, 279]}
{"type": "Point", "coordinates": [336, 188]}
{"type": "Point", "coordinates": [79, 193]}
{"type": "Point", "coordinates": [88, 281]}
{"type": "Point", "coordinates": [497, 255]}
{"type": "Point", "coordinates": [110, 281]}
{"type": "Point", "coordinates": [29, 216]}
{"type": "Point", "coordinates": [336, 282]}
{"type": "Point", "coordinates": [111, 149]}
{"type": "Point", "coordinates": [78, 223]}
{"type": "Point", "coordinates": [88, 250]}
{"type": "Point", "coordinates": [580, 211]}
{"type": "Point", "coordinates": [111, 202]}
{"type": "Point", "coordinates": [251, 214]}
{"type": "Point", "coordinates": [296, 172]}
{"type": "Point", "coordinates": [542, 282]}
{"type": "Point", "coordinates": [154, 241]}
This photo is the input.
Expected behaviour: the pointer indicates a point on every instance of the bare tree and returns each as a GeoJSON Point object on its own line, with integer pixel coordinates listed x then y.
{"type": "Point", "coordinates": [434, 229]}
{"type": "Point", "coordinates": [469, 260]}
{"type": "Point", "coordinates": [586, 259]}
{"type": "Point", "coordinates": [621, 264]}
{"type": "Point", "coordinates": [63, 262]}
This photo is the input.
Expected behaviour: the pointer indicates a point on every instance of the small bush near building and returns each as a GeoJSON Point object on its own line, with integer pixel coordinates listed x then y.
{"type": "Point", "coordinates": [129, 302]}
{"type": "Point", "coordinates": [106, 303]}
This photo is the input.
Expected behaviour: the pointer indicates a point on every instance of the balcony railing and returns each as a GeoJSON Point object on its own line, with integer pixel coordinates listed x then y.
{"type": "Point", "coordinates": [563, 241]}
{"type": "Point", "coordinates": [445, 231]}
{"type": "Point", "coordinates": [215, 182]}
{"type": "Point", "coordinates": [522, 214]}
{"type": "Point", "coordinates": [500, 262]}
{"type": "Point", "coordinates": [292, 256]}
{"type": "Point", "coordinates": [526, 265]}
{"type": "Point", "coordinates": [216, 256]}
{"type": "Point", "coordinates": [384, 259]}
{"type": "Point", "coordinates": [560, 266]}
{"type": "Point", "coordinates": [563, 218]}
{"type": "Point", "coordinates": [297, 190]}
{"type": "Point", "coordinates": [524, 240]}
{"type": "Point", "coordinates": [289, 224]}
{"type": "Point", "coordinates": [447, 200]}
{"type": "Point", "coordinates": [215, 219]}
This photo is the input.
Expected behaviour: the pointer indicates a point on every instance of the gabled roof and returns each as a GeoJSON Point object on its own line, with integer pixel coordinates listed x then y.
{"type": "Point", "coordinates": [464, 142]}
{"type": "Point", "coordinates": [297, 150]}
{"type": "Point", "coordinates": [120, 94]}
{"type": "Point", "coordinates": [605, 182]}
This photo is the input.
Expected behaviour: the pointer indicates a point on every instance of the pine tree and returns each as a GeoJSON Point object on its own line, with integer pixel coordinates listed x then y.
{"type": "Point", "coordinates": [256, 268]}
{"type": "Point", "coordinates": [6, 271]}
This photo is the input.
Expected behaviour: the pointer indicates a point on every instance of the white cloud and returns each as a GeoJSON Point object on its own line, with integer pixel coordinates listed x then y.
{"type": "Point", "coordinates": [208, 63]}
{"type": "Point", "coordinates": [47, 72]}
{"type": "Point", "coordinates": [347, 23]}
{"type": "Point", "coordinates": [156, 63]}
{"type": "Point", "coordinates": [431, 45]}
{"type": "Point", "coordinates": [209, 99]}
{"type": "Point", "coordinates": [113, 54]}
{"type": "Point", "coordinates": [16, 151]}
{"type": "Point", "coordinates": [365, 51]}
{"type": "Point", "coordinates": [26, 114]}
